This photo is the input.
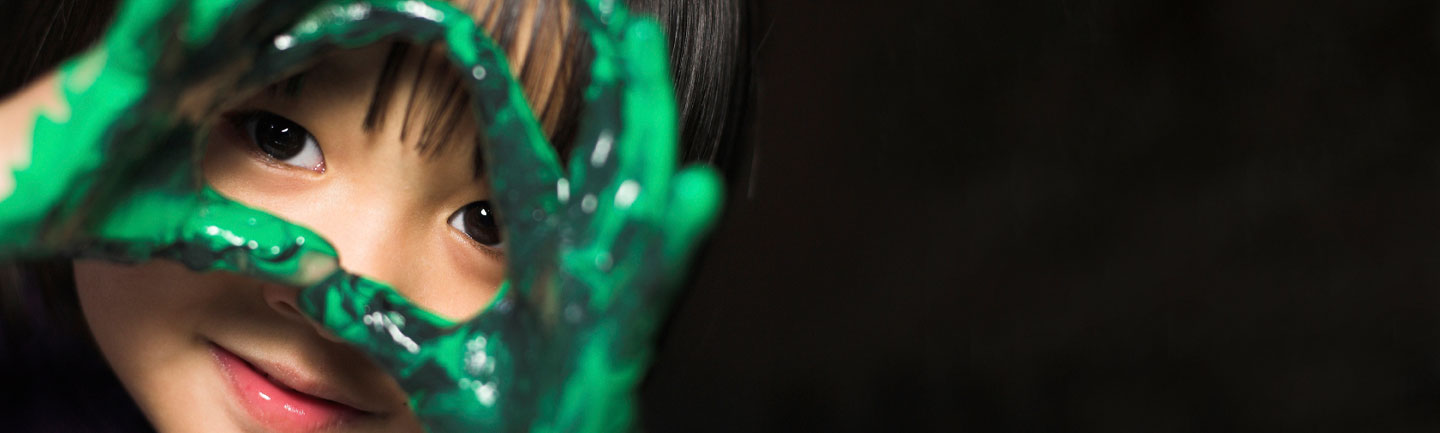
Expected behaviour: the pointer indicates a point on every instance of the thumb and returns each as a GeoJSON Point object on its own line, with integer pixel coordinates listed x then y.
{"type": "Point", "coordinates": [397, 334]}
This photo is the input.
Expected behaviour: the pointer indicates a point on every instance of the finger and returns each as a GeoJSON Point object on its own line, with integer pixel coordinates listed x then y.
{"type": "Point", "coordinates": [695, 201]}
{"type": "Point", "coordinates": [237, 24]}
{"type": "Point", "coordinates": [210, 233]}
{"type": "Point", "coordinates": [459, 378]}
{"type": "Point", "coordinates": [143, 30]}
{"type": "Point", "coordinates": [629, 130]}
{"type": "Point", "coordinates": [371, 315]}
{"type": "Point", "coordinates": [128, 108]}
{"type": "Point", "coordinates": [693, 208]}
{"type": "Point", "coordinates": [620, 169]}
{"type": "Point", "coordinates": [227, 235]}
{"type": "Point", "coordinates": [523, 170]}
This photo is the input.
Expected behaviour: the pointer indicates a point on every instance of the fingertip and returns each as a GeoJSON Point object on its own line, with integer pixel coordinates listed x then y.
{"type": "Point", "coordinates": [315, 267]}
{"type": "Point", "coordinates": [694, 206]}
{"type": "Point", "coordinates": [700, 187]}
{"type": "Point", "coordinates": [260, 244]}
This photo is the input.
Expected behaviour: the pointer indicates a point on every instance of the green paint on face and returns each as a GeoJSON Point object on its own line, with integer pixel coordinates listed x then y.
{"type": "Point", "coordinates": [594, 246]}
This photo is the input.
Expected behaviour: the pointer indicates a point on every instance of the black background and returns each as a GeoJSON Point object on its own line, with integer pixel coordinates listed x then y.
{"type": "Point", "coordinates": [1074, 216]}
{"type": "Point", "coordinates": [1062, 215]}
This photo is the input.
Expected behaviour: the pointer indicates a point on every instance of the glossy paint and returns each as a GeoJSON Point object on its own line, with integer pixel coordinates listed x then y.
{"type": "Point", "coordinates": [595, 245]}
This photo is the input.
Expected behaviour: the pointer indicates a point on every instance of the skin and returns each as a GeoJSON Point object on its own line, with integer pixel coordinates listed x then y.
{"type": "Point", "coordinates": [17, 116]}
{"type": "Point", "coordinates": [384, 205]}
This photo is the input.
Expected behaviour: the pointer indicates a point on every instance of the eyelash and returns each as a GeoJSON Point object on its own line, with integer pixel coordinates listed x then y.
{"type": "Point", "coordinates": [246, 125]}
{"type": "Point", "coordinates": [496, 252]}
{"type": "Point", "coordinates": [485, 216]}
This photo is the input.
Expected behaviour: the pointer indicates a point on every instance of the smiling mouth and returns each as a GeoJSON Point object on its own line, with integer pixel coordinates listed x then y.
{"type": "Point", "coordinates": [278, 406]}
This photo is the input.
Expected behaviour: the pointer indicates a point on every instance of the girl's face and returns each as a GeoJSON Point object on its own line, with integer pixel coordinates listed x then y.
{"type": "Point", "coordinates": [218, 352]}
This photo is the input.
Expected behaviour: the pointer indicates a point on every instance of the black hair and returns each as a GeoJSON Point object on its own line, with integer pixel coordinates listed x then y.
{"type": "Point", "coordinates": [551, 55]}
{"type": "Point", "coordinates": [710, 65]}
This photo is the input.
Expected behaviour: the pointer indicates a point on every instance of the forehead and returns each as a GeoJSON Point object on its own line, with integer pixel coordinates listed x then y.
{"type": "Point", "coordinates": [341, 79]}
{"type": "Point", "coordinates": [388, 85]}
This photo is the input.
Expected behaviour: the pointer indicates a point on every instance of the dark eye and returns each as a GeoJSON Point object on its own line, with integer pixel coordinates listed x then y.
{"type": "Point", "coordinates": [284, 140]}
{"type": "Point", "coordinates": [477, 221]}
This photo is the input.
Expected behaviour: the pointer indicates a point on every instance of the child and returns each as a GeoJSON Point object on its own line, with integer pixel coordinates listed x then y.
{"type": "Point", "coordinates": [374, 150]}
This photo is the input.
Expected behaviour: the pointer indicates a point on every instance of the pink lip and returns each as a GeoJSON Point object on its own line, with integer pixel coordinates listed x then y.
{"type": "Point", "coordinates": [276, 405]}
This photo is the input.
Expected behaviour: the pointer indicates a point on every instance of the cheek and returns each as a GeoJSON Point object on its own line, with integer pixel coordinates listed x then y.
{"type": "Point", "coordinates": [129, 302]}
{"type": "Point", "coordinates": [464, 284]}
{"type": "Point", "coordinates": [149, 322]}
{"type": "Point", "coordinates": [147, 314]}
{"type": "Point", "coordinates": [234, 172]}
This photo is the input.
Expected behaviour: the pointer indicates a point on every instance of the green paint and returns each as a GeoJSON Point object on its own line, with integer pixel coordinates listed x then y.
{"type": "Point", "coordinates": [595, 246]}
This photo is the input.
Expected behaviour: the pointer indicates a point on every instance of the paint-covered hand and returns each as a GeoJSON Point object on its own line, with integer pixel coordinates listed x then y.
{"type": "Point", "coordinates": [594, 254]}
{"type": "Point", "coordinates": [111, 173]}
{"type": "Point", "coordinates": [594, 251]}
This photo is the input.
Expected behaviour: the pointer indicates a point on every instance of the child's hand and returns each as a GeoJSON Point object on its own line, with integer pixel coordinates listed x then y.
{"type": "Point", "coordinates": [593, 254]}
{"type": "Point", "coordinates": [110, 172]}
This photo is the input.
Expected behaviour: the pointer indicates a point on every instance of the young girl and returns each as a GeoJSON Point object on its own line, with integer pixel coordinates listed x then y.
{"type": "Point", "coordinates": [373, 149]}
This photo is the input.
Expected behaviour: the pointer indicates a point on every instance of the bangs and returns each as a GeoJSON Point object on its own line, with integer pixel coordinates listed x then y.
{"type": "Point", "coordinates": [545, 52]}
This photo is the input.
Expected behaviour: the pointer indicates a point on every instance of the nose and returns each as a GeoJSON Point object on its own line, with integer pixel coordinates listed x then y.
{"type": "Point", "coordinates": [283, 299]}
{"type": "Point", "coordinates": [414, 253]}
